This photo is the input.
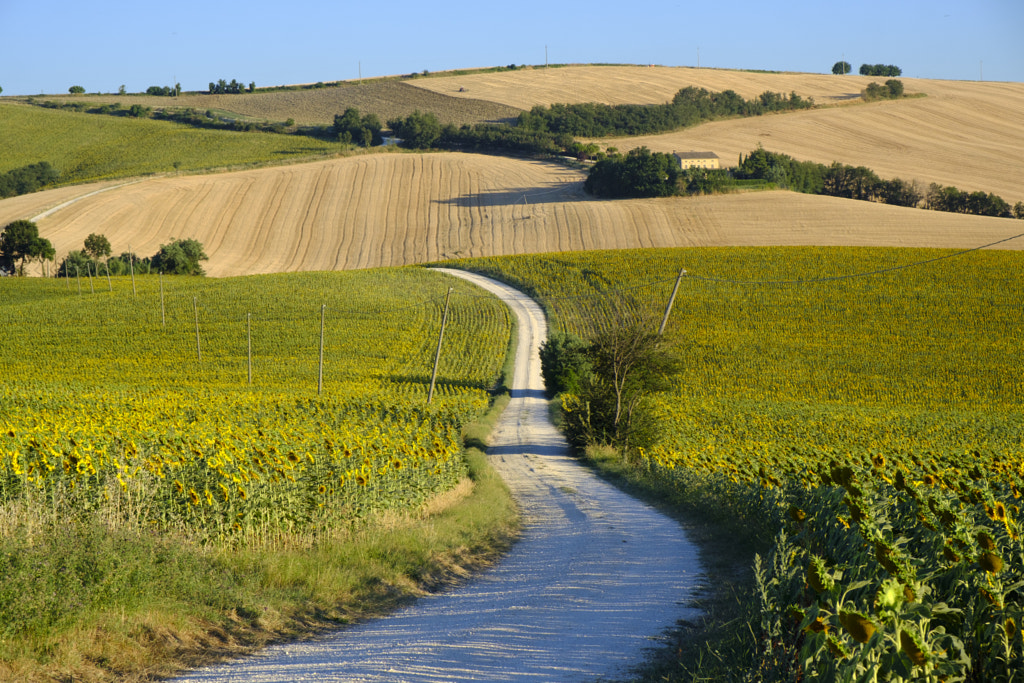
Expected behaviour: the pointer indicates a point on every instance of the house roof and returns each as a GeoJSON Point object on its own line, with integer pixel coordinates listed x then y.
{"type": "Point", "coordinates": [696, 155]}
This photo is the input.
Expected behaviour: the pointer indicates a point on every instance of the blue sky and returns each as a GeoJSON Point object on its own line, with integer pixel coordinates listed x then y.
{"type": "Point", "coordinates": [47, 46]}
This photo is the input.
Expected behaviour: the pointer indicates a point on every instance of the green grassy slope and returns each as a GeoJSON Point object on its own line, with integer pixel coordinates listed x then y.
{"type": "Point", "coordinates": [86, 147]}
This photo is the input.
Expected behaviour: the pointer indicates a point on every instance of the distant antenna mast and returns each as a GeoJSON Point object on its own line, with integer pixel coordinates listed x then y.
{"type": "Point", "coordinates": [545, 56]}
{"type": "Point", "coordinates": [698, 56]}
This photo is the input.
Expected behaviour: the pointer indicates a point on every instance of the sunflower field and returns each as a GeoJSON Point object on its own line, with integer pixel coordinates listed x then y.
{"type": "Point", "coordinates": [202, 407]}
{"type": "Point", "coordinates": [864, 406]}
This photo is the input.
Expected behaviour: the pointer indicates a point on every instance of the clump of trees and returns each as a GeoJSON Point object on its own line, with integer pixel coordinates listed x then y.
{"type": "Point", "coordinates": [880, 70]}
{"type": "Point", "coordinates": [892, 90]}
{"type": "Point", "coordinates": [21, 244]}
{"type": "Point", "coordinates": [841, 68]}
{"type": "Point", "coordinates": [605, 384]}
{"type": "Point", "coordinates": [940, 198]}
{"type": "Point", "coordinates": [165, 90]}
{"type": "Point", "coordinates": [222, 87]}
{"type": "Point", "coordinates": [352, 128]}
{"type": "Point", "coordinates": [640, 173]}
{"type": "Point", "coordinates": [27, 179]}
{"type": "Point", "coordinates": [76, 90]}
{"type": "Point", "coordinates": [418, 130]}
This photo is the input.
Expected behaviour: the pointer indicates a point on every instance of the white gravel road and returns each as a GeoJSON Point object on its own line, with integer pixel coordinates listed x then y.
{"type": "Point", "coordinates": [595, 580]}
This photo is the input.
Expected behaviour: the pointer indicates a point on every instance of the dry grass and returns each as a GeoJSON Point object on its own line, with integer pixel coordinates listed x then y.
{"type": "Point", "coordinates": [397, 209]}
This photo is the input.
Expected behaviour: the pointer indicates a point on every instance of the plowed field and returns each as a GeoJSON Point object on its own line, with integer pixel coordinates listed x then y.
{"type": "Point", "coordinates": [387, 98]}
{"type": "Point", "coordinates": [396, 209]}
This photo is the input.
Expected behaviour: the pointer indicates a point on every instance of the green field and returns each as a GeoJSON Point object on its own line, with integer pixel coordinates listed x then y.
{"type": "Point", "coordinates": [135, 451]}
{"type": "Point", "coordinates": [865, 405]}
{"type": "Point", "coordinates": [87, 147]}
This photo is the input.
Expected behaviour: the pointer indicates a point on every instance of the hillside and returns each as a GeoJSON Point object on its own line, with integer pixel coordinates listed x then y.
{"type": "Point", "coordinates": [396, 209]}
{"type": "Point", "coordinates": [962, 133]}
{"type": "Point", "coordinates": [390, 209]}
{"type": "Point", "coordinates": [388, 98]}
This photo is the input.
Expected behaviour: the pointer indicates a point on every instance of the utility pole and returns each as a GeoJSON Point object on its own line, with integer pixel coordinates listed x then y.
{"type": "Point", "coordinates": [248, 334]}
{"type": "Point", "coordinates": [440, 338]}
{"type": "Point", "coordinates": [671, 300]}
{"type": "Point", "coordinates": [320, 377]}
{"type": "Point", "coordinates": [195, 309]}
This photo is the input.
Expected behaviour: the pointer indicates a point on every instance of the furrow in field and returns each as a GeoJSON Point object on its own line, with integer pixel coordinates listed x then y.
{"type": "Point", "coordinates": [395, 209]}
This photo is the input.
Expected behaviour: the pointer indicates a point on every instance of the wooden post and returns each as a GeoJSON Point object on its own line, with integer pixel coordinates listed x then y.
{"type": "Point", "coordinates": [437, 355]}
{"type": "Point", "coordinates": [671, 300]}
{"type": "Point", "coordinates": [88, 271]}
{"type": "Point", "coordinates": [110, 287]}
{"type": "Point", "coordinates": [320, 375]}
{"type": "Point", "coordinates": [195, 308]}
{"type": "Point", "coordinates": [78, 279]}
{"type": "Point", "coordinates": [248, 334]}
{"type": "Point", "coordinates": [163, 317]}
{"type": "Point", "coordinates": [131, 264]}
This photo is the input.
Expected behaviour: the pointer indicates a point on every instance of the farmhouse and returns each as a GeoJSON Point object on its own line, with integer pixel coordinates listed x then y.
{"type": "Point", "coordinates": [697, 159]}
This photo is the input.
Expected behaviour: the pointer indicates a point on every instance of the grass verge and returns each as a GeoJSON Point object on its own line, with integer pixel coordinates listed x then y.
{"type": "Point", "coordinates": [95, 603]}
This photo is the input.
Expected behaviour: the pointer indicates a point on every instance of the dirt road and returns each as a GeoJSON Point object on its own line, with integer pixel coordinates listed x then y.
{"type": "Point", "coordinates": [594, 581]}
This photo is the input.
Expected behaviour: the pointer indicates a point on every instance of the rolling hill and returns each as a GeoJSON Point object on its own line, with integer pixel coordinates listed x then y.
{"type": "Point", "coordinates": [399, 208]}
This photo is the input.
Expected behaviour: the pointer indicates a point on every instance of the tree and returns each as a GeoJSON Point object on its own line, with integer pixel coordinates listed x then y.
{"type": "Point", "coordinates": [610, 403]}
{"type": "Point", "coordinates": [350, 127]}
{"type": "Point", "coordinates": [76, 90]}
{"type": "Point", "coordinates": [20, 242]}
{"type": "Point", "coordinates": [418, 130]}
{"type": "Point", "coordinates": [97, 246]}
{"type": "Point", "coordinates": [180, 257]}
{"type": "Point", "coordinates": [640, 173]}
{"type": "Point", "coordinates": [563, 362]}
{"type": "Point", "coordinates": [841, 68]}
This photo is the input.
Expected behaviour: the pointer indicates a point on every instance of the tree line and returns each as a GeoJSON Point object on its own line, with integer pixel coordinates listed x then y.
{"type": "Point", "coordinates": [642, 173]}
{"type": "Point", "coordinates": [688, 107]}
{"type": "Point", "coordinates": [21, 244]}
{"type": "Point", "coordinates": [222, 87]}
{"type": "Point", "coordinates": [178, 257]}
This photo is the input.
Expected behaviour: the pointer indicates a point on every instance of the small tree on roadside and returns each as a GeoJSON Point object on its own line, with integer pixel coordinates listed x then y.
{"type": "Point", "coordinates": [611, 402]}
{"type": "Point", "coordinates": [97, 246]}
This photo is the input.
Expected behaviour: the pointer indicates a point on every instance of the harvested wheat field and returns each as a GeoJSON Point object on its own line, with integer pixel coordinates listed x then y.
{"type": "Point", "coordinates": [525, 88]}
{"type": "Point", "coordinates": [966, 134]}
{"type": "Point", "coordinates": [398, 209]}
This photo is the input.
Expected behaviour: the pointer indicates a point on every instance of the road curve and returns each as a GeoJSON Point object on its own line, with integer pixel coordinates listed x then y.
{"type": "Point", "coordinates": [595, 579]}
